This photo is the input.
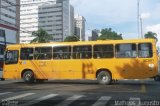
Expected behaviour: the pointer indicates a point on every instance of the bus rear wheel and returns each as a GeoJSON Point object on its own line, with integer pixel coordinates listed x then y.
{"type": "Point", "coordinates": [104, 77]}
{"type": "Point", "coordinates": [28, 76]}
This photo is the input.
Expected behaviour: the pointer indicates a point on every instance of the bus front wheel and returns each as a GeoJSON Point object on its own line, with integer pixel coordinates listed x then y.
{"type": "Point", "coordinates": [104, 77]}
{"type": "Point", "coordinates": [28, 76]}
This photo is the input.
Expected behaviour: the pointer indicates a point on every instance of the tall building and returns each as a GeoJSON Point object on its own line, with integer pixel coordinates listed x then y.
{"type": "Point", "coordinates": [95, 34]}
{"type": "Point", "coordinates": [71, 20]}
{"type": "Point", "coordinates": [9, 23]}
{"type": "Point", "coordinates": [54, 16]}
{"type": "Point", "coordinates": [80, 27]}
{"type": "Point", "coordinates": [89, 38]}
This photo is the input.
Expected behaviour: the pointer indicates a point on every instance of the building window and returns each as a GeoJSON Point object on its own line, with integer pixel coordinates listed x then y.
{"type": "Point", "coordinates": [2, 49]}
{"type": "Point", "coordinates": [2, 33]}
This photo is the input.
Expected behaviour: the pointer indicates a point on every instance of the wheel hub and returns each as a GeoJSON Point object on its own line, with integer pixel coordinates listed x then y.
{"type": "Point", "coordinates": [28, 76]}
{"type": "Point", "coordinates": [104, 78]}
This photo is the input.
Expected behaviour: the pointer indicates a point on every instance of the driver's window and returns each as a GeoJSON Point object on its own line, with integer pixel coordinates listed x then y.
{"type": "Point", "coordinates": [11, 57]}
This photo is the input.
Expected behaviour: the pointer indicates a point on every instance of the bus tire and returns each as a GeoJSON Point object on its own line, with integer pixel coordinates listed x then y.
{"type": "Point", "coordinates": [104, 78]}
{"type": "Point", "coordinates": [28, 76]}
{"type": "Point", "coordinates": [157, 78]}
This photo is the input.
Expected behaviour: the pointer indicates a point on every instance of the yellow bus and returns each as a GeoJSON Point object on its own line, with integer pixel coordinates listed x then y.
{"type": "Point", "coordinates": [103, 61]}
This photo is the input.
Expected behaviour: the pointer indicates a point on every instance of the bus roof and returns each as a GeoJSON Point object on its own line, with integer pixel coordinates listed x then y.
{"type": "Point", "coordinates": [82, 43]}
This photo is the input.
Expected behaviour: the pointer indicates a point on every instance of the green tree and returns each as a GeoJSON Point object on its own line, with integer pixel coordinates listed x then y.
{"type": "Point", "coordinates": [151, 35]}
{"type": "Point", "coordinates": [71, 38]}
{"type": "Point", "coordinates": [41, 36]}
{"type": "Point", "coordinates": [107, 33]}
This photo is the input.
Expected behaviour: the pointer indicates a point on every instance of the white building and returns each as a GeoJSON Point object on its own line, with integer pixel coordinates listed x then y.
{"type": "Point", "coordinates": [9, 23]}
{"type": "Point", "coordinates": [54, 16]}
{"type": "Point", "coordinates": [80, 27]}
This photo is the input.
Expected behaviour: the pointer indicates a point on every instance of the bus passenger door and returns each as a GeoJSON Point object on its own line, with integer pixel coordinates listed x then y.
{"type": "Point", "coordinates": [11, 67]}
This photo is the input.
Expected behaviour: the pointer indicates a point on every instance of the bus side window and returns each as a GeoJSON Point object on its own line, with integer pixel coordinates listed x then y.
{"type": "Point", "coordinates": [103, 51]}
{"type": "Point", "coordinates": [145, 50]}
{"type": "Point", "coordinates": [77, 55]}
{"type": "Point", "coordinates": [126, 50]}
{"type": "Point", "coordinates": [62, 52]}
{"type": "Point", "coordinates": [82, 52]}
{"type": "Point", "coordinates": [26, 54]}
{"type": "Point", "coordinates": [97, 55]}
{"type": "Point", "coordinates": [43, 53]}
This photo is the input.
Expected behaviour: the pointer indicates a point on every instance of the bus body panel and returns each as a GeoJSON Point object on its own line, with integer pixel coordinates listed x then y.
{"type": "Point", "coordinates": [120, 68]}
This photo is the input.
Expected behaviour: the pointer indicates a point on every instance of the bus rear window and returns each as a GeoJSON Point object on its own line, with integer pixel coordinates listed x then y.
{"type": "Point", "coordinates": [11, 57]}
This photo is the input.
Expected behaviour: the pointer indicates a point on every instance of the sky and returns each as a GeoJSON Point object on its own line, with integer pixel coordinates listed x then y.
{"type": "Point", "coordinates": [120, 15]}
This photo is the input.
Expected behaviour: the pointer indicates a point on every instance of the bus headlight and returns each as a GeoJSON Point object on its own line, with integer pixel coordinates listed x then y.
{"type": "Point", "coordinates": [151, 66]}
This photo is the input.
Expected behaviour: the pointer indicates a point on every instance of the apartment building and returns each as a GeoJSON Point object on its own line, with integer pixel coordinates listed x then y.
{"type": "Point", "coordinates": [80, 27]}
{"type": "Point", "coordinates": [54, 16]}
{"type": "Point", "coordinates": [9, 23]}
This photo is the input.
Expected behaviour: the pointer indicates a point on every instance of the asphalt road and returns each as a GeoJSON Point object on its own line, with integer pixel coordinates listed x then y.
{"type": "Point", "coordinates": [80, 93]}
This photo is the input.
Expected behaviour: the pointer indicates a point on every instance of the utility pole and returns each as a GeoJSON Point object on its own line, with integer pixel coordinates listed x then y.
{"type": "Point", "coordinates": [138, 18]}
{"type": "Point", "coordinates": [141, 21]}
